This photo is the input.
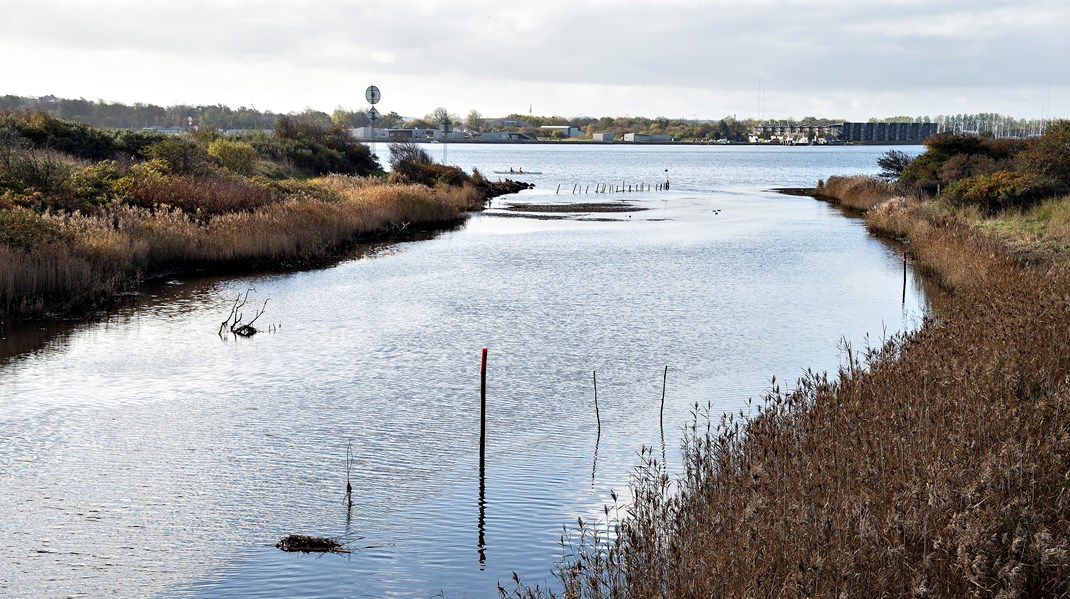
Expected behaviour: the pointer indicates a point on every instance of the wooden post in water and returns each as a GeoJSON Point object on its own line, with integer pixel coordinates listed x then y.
{"type": "Point", "coordinates": [904, 277]}
{"type": "Point", "coordinates": [597, 418]}
{"type": "Point", "coordinates": [664, 381]}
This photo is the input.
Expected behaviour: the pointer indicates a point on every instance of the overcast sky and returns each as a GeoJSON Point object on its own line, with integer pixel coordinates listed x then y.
{"type": "Point", "coordinates": [849, 59]}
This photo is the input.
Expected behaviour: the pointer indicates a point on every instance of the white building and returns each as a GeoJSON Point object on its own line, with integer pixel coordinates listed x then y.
{"type": "Point", "coordinates": [370, 133]}
{"type": "Point", "coordinates": [646, 138]}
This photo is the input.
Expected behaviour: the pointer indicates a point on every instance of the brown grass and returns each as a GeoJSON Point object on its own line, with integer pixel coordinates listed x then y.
{"type": "Point", "coordinates": [857, 193]}
{"type": "Point", "coordinates": [203, 195]}
{"type": "Point", "coordinates": [935, 465]}
{"type": "Point", "coordinates": [103, 253]}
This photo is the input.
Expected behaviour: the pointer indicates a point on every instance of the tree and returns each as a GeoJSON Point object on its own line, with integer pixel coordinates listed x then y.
{"type": "Point", "coordinates": [1049, 154]}
{"type": "Point", "coordinates": [474, 120]}
{"type": "Point", "coordinates": [892, 164]}
{"type": "Point", "coordinates": [438, 115]}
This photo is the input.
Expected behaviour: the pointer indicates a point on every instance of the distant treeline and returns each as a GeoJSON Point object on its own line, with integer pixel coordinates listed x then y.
{"type": "Point", "coordinates": [114, 115]}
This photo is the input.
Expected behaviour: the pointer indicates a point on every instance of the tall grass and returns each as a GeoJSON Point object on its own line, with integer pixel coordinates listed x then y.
{"type": "Point", "coordinates": [858, 193]}
{"type": "Point", "coordinates": [99, 254]}
{"type": "Point", "coordinates": [934, 465]}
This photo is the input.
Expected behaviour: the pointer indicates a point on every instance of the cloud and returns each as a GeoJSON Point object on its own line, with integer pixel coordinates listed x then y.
{"type": "Point", "coordinates": [631, 51]}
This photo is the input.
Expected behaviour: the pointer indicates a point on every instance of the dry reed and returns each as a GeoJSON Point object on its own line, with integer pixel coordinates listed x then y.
{"type": "Point", "coordinates": [857, 193]}
{"type": "Point", "coordinates": [102, 253]}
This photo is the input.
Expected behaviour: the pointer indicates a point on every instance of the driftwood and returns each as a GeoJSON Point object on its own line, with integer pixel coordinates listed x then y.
{"type": "Point", "coordinates": [234, 323]}
{"type": "Point", "coordinates": [307, 544]}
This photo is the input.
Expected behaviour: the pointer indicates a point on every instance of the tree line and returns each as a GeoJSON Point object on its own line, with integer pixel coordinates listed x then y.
{"type": "Point", "coordinates": [115, 115]}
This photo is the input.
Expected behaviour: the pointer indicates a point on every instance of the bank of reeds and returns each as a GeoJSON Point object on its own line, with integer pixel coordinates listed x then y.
{"type": "Point", "coordinates": [856, 193]}
{"type": "Point", "coordinates": [91, 257]}
{"type": "Point", "coordinates": [936, 464]}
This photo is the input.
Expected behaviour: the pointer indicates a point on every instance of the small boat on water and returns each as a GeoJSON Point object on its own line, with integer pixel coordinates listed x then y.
{"type": "Point", "coordinates": [519, 172]}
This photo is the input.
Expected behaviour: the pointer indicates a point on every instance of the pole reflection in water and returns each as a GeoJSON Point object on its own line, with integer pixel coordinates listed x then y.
{"type": "Point", "coordinates": [482, 515]}
{"type": "Point", "coordinates": [482, 460]}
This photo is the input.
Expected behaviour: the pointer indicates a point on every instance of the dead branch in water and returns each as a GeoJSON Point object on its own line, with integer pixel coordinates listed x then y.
{"type": "Point", "coordinates": [234, 323]}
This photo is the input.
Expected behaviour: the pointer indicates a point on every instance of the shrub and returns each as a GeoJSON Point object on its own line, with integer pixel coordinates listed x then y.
{"type": "Point", "coordinates": [68, 137]}
{"type": "Point", "coordinates": [182, 157]}
{"type": "Point", "coordinates": [135, 144]}
{"type": "Point", "coordinates": [1002, 190]}
{"type": "Point", "coordinates": [25, 169]}
{"type": "Point", "coordinates": [1049, 154]}
{"type": "Point", "coordinates": [96, 184]}
{"type": "Point", "coordinates": [315, 149]}
{"type": "Point", "coordinates": [237, 156]}
{"type": "Point", "coordinates": [927, 172]}
{"type": "Point", "coordinates": [412, 164]}
{"type": "Point", "coordinates": [964, 166]}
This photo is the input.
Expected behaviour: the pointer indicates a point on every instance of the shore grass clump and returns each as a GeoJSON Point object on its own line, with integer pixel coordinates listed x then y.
{"type": "Point", "coordinates": [857, 193]}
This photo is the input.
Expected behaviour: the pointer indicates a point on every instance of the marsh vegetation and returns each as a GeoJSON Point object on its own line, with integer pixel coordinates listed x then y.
{"type": "Point", "coordinates": [87, 213]}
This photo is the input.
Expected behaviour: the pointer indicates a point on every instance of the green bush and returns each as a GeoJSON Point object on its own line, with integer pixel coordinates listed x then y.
{"type": "Point", "coordinates": [68, 137]}
{"type": "Point", "coordinates": [1002, 190]}
{"type": "Point", "coordinates": [135, 144]}
{"type": "Point", "coordinates": [951, 156]}
{"type": "Point", "coordinates": [182, 157]}
{"type": "Point", "coordinates": [97, 183]}
{"type": "Point", "coordinates": [315, 149]}
{"type": "Point", "coordinates": [237, 156]}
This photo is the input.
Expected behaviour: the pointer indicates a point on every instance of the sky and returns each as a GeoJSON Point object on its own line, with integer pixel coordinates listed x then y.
{"type": "Point", "coordinates": [773, 59]}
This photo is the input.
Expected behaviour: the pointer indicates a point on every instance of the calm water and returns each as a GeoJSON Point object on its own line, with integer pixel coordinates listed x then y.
{"type": "Point", "coordinates": [144, 456]}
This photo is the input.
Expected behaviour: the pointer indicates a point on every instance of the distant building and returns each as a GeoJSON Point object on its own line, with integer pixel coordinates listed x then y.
{"type": "Point", "coordinates": [604, 137]}
{"type": "Point", "coordinates": [505, 123]}
{"type": "Point", "coordinates": [438, 135]}
{"type": "Point", "coordinates": [646, 138]}
{"type": "Point", "coordinates": [505, 136]}
{"type": "Point", "coordinates": [887, 132]}
{"type": "Point", "coordinates": [370, 133]}
{"type": "Point", "coordinates": [568, 131]}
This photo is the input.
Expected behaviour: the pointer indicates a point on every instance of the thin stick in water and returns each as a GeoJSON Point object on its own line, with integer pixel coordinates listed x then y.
{"type": "Point", "coordinates": [597, 417]}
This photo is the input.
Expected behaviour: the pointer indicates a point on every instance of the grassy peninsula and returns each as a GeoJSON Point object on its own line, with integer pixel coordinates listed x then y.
{"type": "Point", "coordinates": [86, 213]}
{"type": "Point", "coordinates": [934, 464]}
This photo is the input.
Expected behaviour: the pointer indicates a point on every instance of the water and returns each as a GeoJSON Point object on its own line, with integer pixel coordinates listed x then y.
{"type": "Point", "coordinates": [142, 455]}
